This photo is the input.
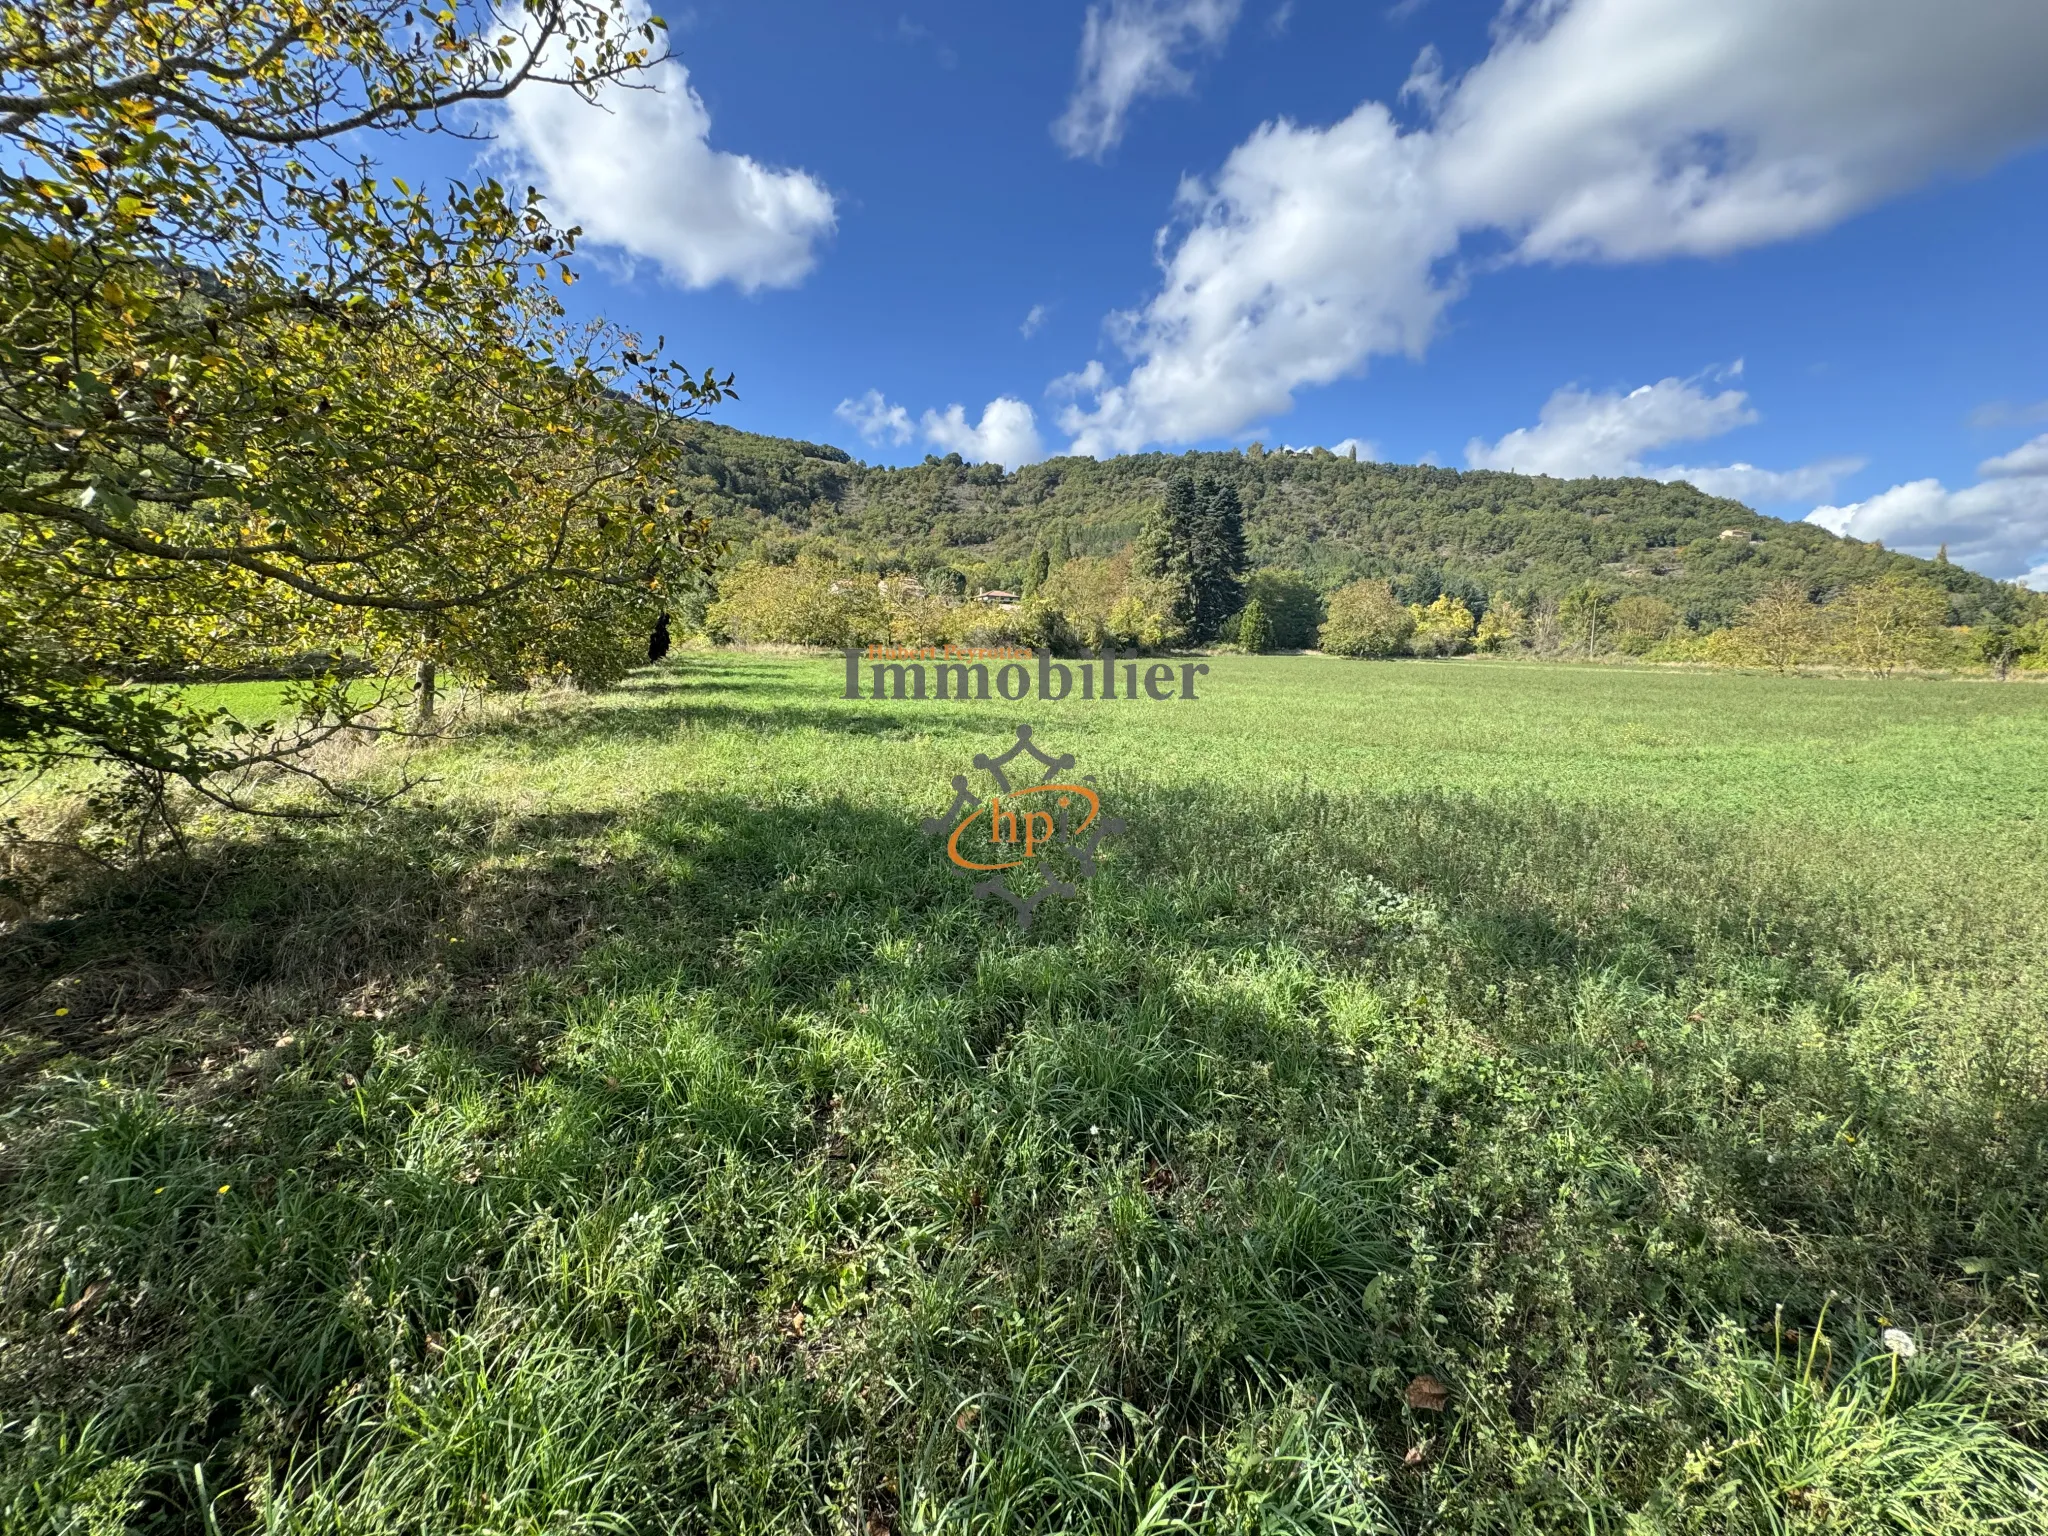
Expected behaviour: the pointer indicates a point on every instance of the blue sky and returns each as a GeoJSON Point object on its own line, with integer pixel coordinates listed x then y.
{"type": "Point", "coordinates": [1789, 249]}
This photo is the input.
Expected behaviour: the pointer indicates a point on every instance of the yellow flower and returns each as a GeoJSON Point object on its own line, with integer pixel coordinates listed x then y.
{"type": "Point", "coordinates": [62, 1011]}
{"type": "Point", "coordinates": [225, 1188]}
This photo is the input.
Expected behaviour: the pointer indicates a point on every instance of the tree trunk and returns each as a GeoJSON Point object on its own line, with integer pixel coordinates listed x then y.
{"type": "Point", "coordinates": [425, 687]}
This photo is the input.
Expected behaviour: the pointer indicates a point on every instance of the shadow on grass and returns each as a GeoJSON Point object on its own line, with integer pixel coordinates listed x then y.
{"type": "Point", "coordinates": [1317, 1090]}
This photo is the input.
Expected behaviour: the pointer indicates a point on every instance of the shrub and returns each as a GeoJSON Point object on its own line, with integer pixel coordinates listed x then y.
{"type": "Point", "coordinates": [1365, 619]}
{"type": "Point", "coordinates": [1641, 622]}
{"type": "Point", "coordinates": [805, 603]}
{"type": "Point", "coordinates": [1503, 625]}
{"type": "Point", "coordinates": [1254, 630]}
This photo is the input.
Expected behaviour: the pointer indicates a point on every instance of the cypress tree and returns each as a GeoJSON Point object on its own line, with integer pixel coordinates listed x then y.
{"type": "Point", "coordinates": [1217, 558]}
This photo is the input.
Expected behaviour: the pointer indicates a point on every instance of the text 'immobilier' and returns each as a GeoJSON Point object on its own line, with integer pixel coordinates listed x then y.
{"type": "Point", "coordinates": [898, 672]}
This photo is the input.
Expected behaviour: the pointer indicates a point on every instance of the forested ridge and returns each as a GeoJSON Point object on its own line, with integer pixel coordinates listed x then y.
{"type": "Point", "coordinates": [1469, 532]}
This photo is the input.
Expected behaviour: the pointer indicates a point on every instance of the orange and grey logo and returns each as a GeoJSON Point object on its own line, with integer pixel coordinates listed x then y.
{"type": "Point", "coordinates": [1047, 836]}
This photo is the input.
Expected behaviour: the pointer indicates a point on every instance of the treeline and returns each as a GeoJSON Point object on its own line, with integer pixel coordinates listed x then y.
{"type": "Point", "coordinates": [824, 550]}
{"type": "Point", "coordinates": [1427, 533]}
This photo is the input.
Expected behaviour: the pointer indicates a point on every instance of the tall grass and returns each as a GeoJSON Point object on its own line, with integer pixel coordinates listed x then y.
{"type": "Point", "coordinates": [648, 1131]}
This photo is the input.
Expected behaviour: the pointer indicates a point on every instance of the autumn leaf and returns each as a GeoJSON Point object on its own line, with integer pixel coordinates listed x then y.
{"type": "Point", "coordinates": [1428, 1395]}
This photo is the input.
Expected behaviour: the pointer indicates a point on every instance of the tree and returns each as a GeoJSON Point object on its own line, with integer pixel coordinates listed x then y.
{"type": "Point", "coordinates": [1892, 622]}
{"type": "Point", "coordinates": [1640, 622]}
{"type": "Point", "coordinates": [1195, 542]}
{"type": "Point", "coordinates": [1041, 567]}
{"type": "Point", "coordinates": [808, 602]}
{"type": "Point", "coordinates": [1254, 631]}
{"type": "Point", "coordinates": [1782, 627]}
{"type": "Point", "coordinates": [1443, 627]}
{"type": "Point", "coordinates": [1503, 624]}
{"type": "Point", "coordinates": [1164, 549]}
{"type": "Point", "coordinates": [1583, 615]}
{"type": "Point", "coordinates": [1293, 607]}
{"type": "Point", "coordinates": [2003, 646]}
{"type": "Point", "coordinates": [1218, 562]}
{"type": "Point", "coordinates": [1365, 619]}
{"type": "Point", "coordinates": [255, 401]}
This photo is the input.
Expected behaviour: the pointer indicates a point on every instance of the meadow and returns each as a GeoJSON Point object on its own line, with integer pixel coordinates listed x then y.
{"type": "Point", "coordinates": [1471, 1097]}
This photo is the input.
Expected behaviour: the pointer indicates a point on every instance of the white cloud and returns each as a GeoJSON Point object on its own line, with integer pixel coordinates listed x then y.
{"type": "Point", "coordinates": [1578, 433]}
{"type": "Point", "coordinates": [636, 169]}
{"type": "Point", "coordinates": [1133, 48]}
{"type": "Point", "coordinates": [875, 418]}
{"type": "Point", "coordinates": [1595, 130]}
{"type": "Point", "coordinates": [1998, 526]}
{"type": "Point", "coordinates": [1760, 487]}
{"type": "Point", "coordinates": [1581, 433]}
{"type": "Point", "coordinates": [1032, 322]}
{"type": "Point", "coordinates": [1007, 433]}
{"type": "Point", "coordinates": [2027, 460]}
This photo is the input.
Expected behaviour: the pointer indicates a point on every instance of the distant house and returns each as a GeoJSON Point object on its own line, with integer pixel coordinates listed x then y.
{"type": "Point", "coordinates": [995, 596]}
{"type": "Point", "coordinates": [1735, 533]}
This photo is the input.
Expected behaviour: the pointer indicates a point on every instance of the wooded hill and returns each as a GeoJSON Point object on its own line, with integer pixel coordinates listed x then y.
{"type": "Point", "coordinates": [1470, 533]}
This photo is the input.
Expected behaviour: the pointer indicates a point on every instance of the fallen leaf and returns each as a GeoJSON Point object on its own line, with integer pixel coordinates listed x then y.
{"type": "Point", "coordinates": [75, 1313]}
{"type": "Point", "coordinates": [1428, 1395]}
{"type": "Point", "coordinates": [1417, 1455]}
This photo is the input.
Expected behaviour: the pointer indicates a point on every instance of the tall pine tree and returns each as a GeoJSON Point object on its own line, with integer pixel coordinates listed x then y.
{"type": "Point", "coordinates": [1195, 542]}
{"type": "Point", "coordinates": [1218, 558]}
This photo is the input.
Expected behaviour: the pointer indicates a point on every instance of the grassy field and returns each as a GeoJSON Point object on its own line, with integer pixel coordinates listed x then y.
{"type": "Point", "coordinates": [1472, 1097]}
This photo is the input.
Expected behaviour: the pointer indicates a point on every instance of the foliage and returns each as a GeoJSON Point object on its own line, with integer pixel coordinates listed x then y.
{"type": "Point", "coordinates": [1254, 630]}
{"type": "Point", "coordinates": [256, 402]}
{"type": "Point", "coordinates": [1293, 606]}
{"type": "Point", "coordinates": [1365, 619]}
{"type": "Point", "coordinates": [1503, 625]}
{"type": "Point", "coordinates": [1640, 623]}
{"type": "Point", "coordinates": [2002, 647]}
{"type": "Point", "coordinates": [804, 603]}
{"type": "Point", "coordinates": [1885, 624]}
{"type": "Point", "coordinates": [1584, 616]}
{"type": "Point", "coordinates": [653, 1131]}
{"type": "Point", "coordinates": [1194, 544]}
{"type": "Point", "coordinates": [1426, 531]}
{"type": "Point", "coordinates": [1782, 628]}
{"type": "Point", "coordinates": [1443, 627]}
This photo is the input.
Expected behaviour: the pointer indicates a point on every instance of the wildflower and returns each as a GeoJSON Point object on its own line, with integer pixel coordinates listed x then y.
{"type": "Point", "coordinates": [62, 1011]}
{"type": "Point", "coordinates": [225, 1188]}
{"type": "Point", "coordinates": [1900, 1343]}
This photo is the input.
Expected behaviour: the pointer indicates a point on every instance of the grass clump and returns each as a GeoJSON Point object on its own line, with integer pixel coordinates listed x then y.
{"type": "Point", "coordinates": [649, 1131]}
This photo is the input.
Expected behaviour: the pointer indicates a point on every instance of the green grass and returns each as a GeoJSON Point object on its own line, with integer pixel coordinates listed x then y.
{"type": "Point", "coordinates": [643, 1128]}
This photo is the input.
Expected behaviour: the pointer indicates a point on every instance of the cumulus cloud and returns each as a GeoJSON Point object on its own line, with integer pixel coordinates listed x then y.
{"type": "Point", "coordinates": [636, 169]}
{"type": "Point", "coordinates": [1007, 433]}
{"type": "Point", "coordinates": [1998, 526]}
{"type": "Point", "coordinates": [1594, 130]}
{"type": "Point", "coordinates": [1133, 48]}
{"type": "Point", "coordinates": [875, 418]}
{"type": "Point", "coordinates": [1580, 432]}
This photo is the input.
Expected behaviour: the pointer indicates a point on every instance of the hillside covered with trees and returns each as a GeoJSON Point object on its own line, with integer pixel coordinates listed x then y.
{"type": "Point", "coordinates": [1426, 531]}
